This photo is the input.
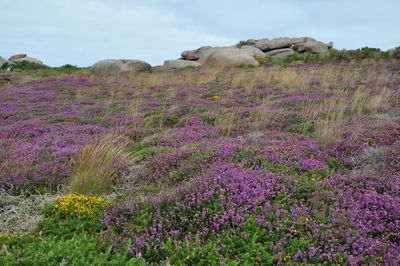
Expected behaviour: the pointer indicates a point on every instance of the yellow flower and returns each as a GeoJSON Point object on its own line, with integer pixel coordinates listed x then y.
{"type": "Point", "coordinates": [80, 204]}
{"type": "Point", "coordinates": [4, 236]}
{"type": "Point", "coordinates": [215, 98]}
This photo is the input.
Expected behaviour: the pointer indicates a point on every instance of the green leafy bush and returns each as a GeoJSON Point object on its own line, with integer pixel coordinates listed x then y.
{"type": "Point", "coordinates": [26, 66]}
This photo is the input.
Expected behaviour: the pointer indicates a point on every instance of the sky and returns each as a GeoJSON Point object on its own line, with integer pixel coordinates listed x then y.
{"type": "Point", "coordinates": [81, 32]}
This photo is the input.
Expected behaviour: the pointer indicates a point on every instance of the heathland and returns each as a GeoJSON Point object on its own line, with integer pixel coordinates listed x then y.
{"type": "Point", "coordinates": [294, 162]}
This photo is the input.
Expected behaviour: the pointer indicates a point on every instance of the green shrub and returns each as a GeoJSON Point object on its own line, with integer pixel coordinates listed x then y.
{"type": "Point", "coordinates": [26, 66]}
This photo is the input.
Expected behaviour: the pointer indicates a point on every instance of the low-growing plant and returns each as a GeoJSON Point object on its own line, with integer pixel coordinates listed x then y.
{"type": "Point", "coordinates": [79, 249]}
{"type": "Point", "coordinates": [73, 213]}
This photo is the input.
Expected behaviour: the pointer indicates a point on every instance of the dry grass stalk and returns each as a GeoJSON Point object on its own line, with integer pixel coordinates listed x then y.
{"type": "Point", "coordinates": [329, 120]}
{"type": "Point", "coordinates": [263, 113]}
{"type": "Point", "coordinates": [224, 122]}
{"type": "Point", "coordinates": [377, 101]}
{"type": "Point", "coordinates": [98, 164]}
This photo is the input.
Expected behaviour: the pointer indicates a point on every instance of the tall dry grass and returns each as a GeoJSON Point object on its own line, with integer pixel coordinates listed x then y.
{"type": "Point", "coordinates": [224, 122]}
{"type": "Point", "coordinates": [98, 164]}
{"type": "Point", "coordinates": [263, 114]}
{"type": "Point", "coordinates": [330, 117]}
{"type": "Point", "coordinates": [328, 120]}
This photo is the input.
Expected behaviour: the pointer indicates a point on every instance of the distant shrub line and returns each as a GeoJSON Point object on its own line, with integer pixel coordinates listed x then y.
{"type": "Point", "coordinates": [334, 55]}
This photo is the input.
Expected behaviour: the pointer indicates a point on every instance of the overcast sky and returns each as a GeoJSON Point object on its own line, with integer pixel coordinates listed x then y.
{"type": "Point", "coordinates": [81, 32]}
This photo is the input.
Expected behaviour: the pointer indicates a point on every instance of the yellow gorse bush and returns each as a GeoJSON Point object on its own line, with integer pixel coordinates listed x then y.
{"type": "Point", "coordinates": [80, 204]}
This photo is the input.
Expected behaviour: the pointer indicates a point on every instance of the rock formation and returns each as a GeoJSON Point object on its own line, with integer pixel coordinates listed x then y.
{"type": "Point", "coordinates": [179, 64]}
{"type": "Point", "coordinates": [224, 56]}
{"type": "Point", "coordinates": [243, 53]}
{"type": "Point", "coordinates": [112, 66]}
{"type": "Point", "coordinates": [24, 58]}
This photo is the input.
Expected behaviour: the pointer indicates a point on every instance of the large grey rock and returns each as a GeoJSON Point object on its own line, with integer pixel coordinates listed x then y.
{"type": "Point", "coordinates": [3, 61]}
{"type": "Point", "coordinates": [280, 52]}
{"type": "Point", "coordinates": [277, 43]}
{"type": "Point", "coordinates": [107, 66]}
{"type": "Point", "coordinates": [16, 56]}
{"type": "Point", "coordinates": [136, 65]}
{"type": "Point", "coordinates": [252, 50]}
{"type": "Point", "coordinates": [28, 59]}
{"type": "Point", "coordinates": [179, 64]}
{"type": "Point", "coordinates": [113, 66]}
{"type": "Point", "coordinates": [224, 56]}
{"type": "Point", "coordinates": [230, 56]}
{"type": "Point", "coordinates": [315, 47]}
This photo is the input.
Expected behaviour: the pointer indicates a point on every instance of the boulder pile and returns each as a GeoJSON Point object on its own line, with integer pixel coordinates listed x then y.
{"type": "Point", "coordinates": [244, 53]}
{"type": "Point", "coordinates": [299, 44]}
{"type": "Point", "coordinates": [19, 58]}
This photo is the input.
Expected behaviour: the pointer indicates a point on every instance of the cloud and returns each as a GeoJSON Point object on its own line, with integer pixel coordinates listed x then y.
{"type": "Point", "coordinates": [84, 31]}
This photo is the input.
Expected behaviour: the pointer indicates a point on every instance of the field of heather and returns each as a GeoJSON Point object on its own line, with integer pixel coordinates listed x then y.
{"type": "Point", "coordinates": [285, 164]}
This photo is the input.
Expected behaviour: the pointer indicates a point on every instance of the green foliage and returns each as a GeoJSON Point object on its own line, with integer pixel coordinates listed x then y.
{"type": "Point", "coordinates": [333, 56]}
{"type": "Point", "coordinates": [171, 121]}
{"type": "Point", "coordinates": [306, 128]}
{"type": "Point", "coordinates": [64, 238]}
{"type": "Point", "coordinates": [192, 162]}
{"type": "Point", "coordinates": [248, 245]}
{"type": "Point", "coordinates": [145, 152]}
{"type": "Point", "coordinates": [27, 66]}
{"type": "Point", "coordinates": [335, 165]}
{"type": "Point", "coordinates": [78, 249]}
{"type": "Point", "coordinates": [37, 70]}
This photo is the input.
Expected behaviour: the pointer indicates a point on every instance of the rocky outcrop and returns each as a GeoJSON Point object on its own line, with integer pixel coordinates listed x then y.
{"type": "Point", "coordinates": [24, 58]}
{"type": "Point", "coordinates": [28, 59]}
{"type": "Point", "coordinates": [277, 43]}
{"type": "Point", "coordinates": [244, 53]}
{"type": "Point", "coordinates": [179, 64]}
{"type": "Point", "coordinates": [299, 44]}
{"type": "Point", "coordinates": [113, 66]}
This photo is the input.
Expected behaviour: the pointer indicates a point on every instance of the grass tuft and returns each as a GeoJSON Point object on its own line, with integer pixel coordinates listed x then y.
{"type": "Point", "coordinates": [98, 164]}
